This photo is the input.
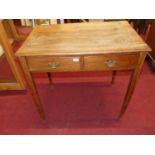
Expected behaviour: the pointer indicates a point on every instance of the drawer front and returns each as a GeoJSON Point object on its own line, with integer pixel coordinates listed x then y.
{"type": "Point", "coordinates": [111, 62]}
{"type": "Point", "coordinates": [54, 64]}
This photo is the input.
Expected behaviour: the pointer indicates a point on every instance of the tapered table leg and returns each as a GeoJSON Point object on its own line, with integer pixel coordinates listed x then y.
{"type": "Point", "coordinates": [32, 86]}
{"type": "Point", "coordinates": [132, 83]}
{"type": "Point", "coordinates": [113, 77]}
{"type": "Point", "coordinates": [49, 77]}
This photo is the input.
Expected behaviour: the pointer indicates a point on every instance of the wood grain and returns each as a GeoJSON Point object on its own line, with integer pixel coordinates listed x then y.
{"type": "Point", "coordinates": [86, 63]}
{"type": "Point", "coordinates": [41, 63]}
{"type": "Point", "coordinates": [83, 39]}
{"type": "Point", "coordinates": [122, 61]}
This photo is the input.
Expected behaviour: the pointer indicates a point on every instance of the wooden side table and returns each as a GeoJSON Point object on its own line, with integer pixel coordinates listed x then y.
{"type": "Point", "coordinates": [83, 47]}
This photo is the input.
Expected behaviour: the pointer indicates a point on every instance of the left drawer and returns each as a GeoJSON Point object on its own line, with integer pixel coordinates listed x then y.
{"type": "Point", "coordinates": [53, 64]}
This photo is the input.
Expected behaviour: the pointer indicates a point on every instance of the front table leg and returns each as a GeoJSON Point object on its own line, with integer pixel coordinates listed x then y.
{"type": "Point", "coordinates": [134, 77]}
{"type": "Point", "coordinates": [32, 86]}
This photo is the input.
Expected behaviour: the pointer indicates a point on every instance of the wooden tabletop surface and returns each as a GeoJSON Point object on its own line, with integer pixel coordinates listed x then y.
{"type": "Point", "coordinates": [82, 39]}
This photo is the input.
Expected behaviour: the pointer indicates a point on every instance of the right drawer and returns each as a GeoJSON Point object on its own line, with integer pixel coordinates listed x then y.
{"type": "Point", "coordinates": [111, 62]}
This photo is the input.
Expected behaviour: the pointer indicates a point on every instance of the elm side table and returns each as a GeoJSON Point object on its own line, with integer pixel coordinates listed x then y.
{"type": "Point", "coordinates": [83, 47]}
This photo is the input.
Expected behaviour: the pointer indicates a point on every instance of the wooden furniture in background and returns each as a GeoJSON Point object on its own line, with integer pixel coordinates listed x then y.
{"type": "Point", "coordinates": [77, 47]}
{"type": "Point", "coordinates": [10, 29]}
{"type": "Point", "coordinates": [32, 22]}
{"type": "Point", "coordinates": [6, 50]}
{"type": "Point", "coordinates": [151, 42]}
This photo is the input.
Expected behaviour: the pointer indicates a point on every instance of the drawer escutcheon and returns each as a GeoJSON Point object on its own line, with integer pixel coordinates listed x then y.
{"type": "Point", "coordinates": [110, 63]}
{"type": "Point", "coordinates": [53, 64]}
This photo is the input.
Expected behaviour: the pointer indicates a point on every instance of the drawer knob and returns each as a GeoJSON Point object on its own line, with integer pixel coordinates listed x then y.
{"type": "Point", "coordinates": [110, 63]}
{"type": "Point", "coordinates": [53, 64]}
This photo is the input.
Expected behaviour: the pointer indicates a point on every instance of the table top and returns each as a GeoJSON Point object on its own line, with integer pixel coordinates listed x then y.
{"type": "Point", "coordinates": [83, 39]}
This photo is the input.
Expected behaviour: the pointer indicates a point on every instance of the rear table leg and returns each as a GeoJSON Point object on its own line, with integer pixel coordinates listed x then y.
{"type": "Point", "coordinates": [49, 74]}
{"type": "Point", "coordinates": [113, 77]}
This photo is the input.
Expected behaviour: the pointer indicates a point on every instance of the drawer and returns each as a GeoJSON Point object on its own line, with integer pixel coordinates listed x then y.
{"type": "Point", "coordinates": [111, 62]}
{"type": "Point", "coordinates": [54, 64]}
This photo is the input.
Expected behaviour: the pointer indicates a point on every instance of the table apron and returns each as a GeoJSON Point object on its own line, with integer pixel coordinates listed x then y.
{"type": "Point", "coordinates": [82, 63]}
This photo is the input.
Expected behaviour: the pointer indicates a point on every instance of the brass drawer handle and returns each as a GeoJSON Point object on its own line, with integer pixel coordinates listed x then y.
{"type": "Point", "coordinates": [110, 63]}
{"type": "Point", "coordinates": [53, 64]}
